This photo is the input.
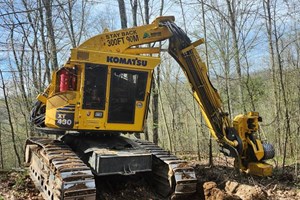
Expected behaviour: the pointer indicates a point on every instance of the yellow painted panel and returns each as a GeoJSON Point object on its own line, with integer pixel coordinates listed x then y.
{"type": "Point", "coordinates": [260, 169]}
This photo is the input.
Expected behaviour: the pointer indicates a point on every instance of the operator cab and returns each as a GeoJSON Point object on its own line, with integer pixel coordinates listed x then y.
{"type": "Point", "coordinates": [97, 95]}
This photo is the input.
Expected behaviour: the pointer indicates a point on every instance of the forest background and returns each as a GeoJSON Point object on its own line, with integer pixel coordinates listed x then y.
{"type": "Point", "coordinates": [252, 53]}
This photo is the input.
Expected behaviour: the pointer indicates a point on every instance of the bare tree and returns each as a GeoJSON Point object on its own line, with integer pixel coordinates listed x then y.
{"type": "Point", "coordinates": [146, 9]}
{"type": "Point", "coordinates": [13, 134]}
{"type": "Point", "coordinates": [164, 115]}
{"type": "Point", "coordinates": [269, 29]}
{"type": "Point", "coordinates": [210, 160]}
{"type": "Point", "coordinates": [232, 6]}
{"type": "Point", "coordinates": [134, 6]}
{"type": "Point", "coordinates": [284, 95]}
{"type": "Point", "coordinates": [275, 53]}
{"type": "Point", "coordinates": [69, 21]}
{"type": "Point", "coordinates": [1, 148]}
{"type": "Point", "coordinates": [50, 33]}
{"type": "Point", "coordinates": [122, 11]}
{"type": "Point", "coordinates": [156, 83]}
{"type": "Point", "coordinates": [47, 74]}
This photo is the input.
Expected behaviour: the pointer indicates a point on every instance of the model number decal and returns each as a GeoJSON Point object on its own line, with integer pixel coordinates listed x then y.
{"type": "Point", "coordinates": [65, 120]}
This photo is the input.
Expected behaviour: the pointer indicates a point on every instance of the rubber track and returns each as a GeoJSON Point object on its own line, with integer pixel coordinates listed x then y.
{"type": "Point", "coordinates": [171, 175]}
{"type": "Point", "coordinates": [58, 172]}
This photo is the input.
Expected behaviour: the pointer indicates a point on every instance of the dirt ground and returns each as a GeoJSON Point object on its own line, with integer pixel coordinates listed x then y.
{"type": "Point", "coordinates": [219, 182]}
{"type": "Point", "coordinates": [233, 185]}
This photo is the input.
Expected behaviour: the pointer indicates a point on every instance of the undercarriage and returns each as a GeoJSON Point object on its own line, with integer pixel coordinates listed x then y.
{"type": "Point", "coordinates": [65, 168]}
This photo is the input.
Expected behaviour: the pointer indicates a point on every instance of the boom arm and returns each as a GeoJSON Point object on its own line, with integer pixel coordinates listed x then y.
{"type": "Point", "coordinates": [237, 140]}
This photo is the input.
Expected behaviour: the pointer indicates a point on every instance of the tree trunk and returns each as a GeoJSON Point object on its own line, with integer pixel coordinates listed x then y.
{"type": "Point", "coordinates": [47, 75]}
{"type": "Point", "coordinates": [155, 111]}
{"type": "Point", "coordinates": [285, 101]}
{"type": "Point", "coordinates": [67, 18]}
{"type": "Point", "coordinates": [248, 80]}
{"type": "Point", "coordinates": [1, 148]}
{"type": "Point", "coordinates": [20, 67]}
{"type": "Point", "coordinates": [268, 17]}
{"type": "Point", "coordinates": [232, 16]}
{"type": "Point", "coordinates": [166, 124]}
{"type": "Point", "coordinates": [156, 84]}
{"type": "Point", "coordinates": [134, 6]}
{"type": "Point", "coordinates": [13, 135]}
{"type": "Point", "coordinates": [33, 45]}
{"type": "Point", "coordinates": [155, 87]}
{"type": "Point", "coordinates": [122, 11]}
{"type": "Point", "coordinates": [50, 32]}
{"type": "Point", "coordinates": [197, 130]}
{"type": "Point", "coordinates": [207, 64]}
{"type": "Point", "coordinates": [146, 8]}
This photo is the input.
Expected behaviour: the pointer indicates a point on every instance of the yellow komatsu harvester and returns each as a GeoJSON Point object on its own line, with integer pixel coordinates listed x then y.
{"type": "Point", "coordinates": [103, 90]}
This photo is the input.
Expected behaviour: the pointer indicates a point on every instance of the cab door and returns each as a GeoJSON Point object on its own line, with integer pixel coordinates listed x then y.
{"type": "Point", "coordinates": [126, 87]}
{"type": "Point", "coordinates": [92, 112]}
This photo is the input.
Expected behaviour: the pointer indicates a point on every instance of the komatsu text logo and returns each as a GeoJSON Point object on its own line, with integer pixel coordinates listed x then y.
{"type": "Point", "coordinates": [126, 61]}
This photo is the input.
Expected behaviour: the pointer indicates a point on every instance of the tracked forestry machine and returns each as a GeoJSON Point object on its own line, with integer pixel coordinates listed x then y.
{"type": "Point", "coordinates": [102, 92]}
